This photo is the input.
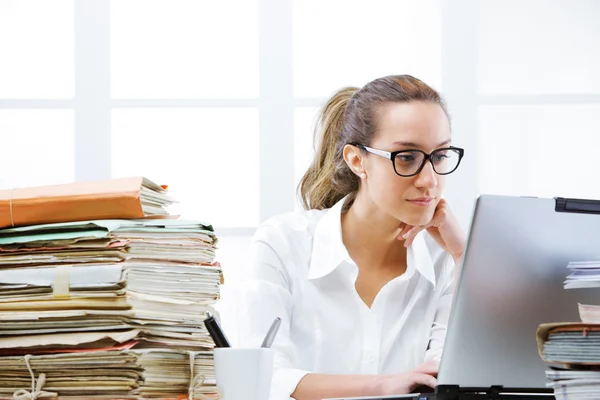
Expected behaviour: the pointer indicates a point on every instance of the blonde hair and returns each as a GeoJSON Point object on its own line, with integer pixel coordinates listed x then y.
{"type": "Point", "coordinates": [350, 116]}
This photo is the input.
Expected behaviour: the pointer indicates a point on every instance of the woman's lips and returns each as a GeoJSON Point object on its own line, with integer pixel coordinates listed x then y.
{"type": "Point", "coordinates": [422, 201]}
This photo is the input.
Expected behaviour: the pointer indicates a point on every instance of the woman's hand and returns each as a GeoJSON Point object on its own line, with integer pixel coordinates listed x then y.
{"type": "Point", "coordinates": [323, 386]}
{"type": "Point", "coordinates": [424, 375]}
{"type": "Point", "coordinates": [444, 228]}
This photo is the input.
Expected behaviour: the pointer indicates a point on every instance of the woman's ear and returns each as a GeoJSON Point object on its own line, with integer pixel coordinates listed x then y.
{"type": "Point", "coordinates": [355, 160]}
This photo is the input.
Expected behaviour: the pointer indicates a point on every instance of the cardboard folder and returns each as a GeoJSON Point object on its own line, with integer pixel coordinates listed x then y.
{"type": "Point", "coordinates": [544, 331]}
{"type": "Point", "coordinates": [123, 198]}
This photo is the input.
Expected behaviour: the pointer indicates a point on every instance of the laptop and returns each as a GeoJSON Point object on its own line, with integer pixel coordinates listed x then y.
{"type": "Point", "coordinates": [511, 282]}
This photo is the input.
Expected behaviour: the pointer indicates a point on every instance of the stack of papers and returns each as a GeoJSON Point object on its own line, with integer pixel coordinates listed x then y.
{"type": "Point", "coordinates": [584, 274]}
{"type": "Point", "coordinates": [112, 374]}
{"type": "Point", "coordinates": [573, 344]}
{"type": "Point", "coordinates": [166, 373]}
{"type": "Point", "coordinates": [76, 376]}
{"type": "Point", "coordinates": [574, 384]}
{"type": "Point", "coordinates": [137, 288]}
{"type": "Point", "coordinates": [574, 348]}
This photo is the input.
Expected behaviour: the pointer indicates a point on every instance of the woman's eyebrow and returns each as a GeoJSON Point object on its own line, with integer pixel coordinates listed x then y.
{"type": "Point", "coordinates": [412, 144]}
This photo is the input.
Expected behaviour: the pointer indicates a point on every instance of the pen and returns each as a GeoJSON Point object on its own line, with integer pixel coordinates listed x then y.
{"type": "Point", "coordinates": [270, 337]}
{"type": "Point", "coordinates": [215, 331]}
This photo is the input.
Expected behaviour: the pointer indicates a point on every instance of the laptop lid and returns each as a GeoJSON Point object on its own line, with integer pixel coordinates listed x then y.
{"type": "Point", "coordinates": [511, 281]}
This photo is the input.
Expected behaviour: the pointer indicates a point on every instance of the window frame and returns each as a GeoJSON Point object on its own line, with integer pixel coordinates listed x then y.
{"type": "Point", "coordinates": [276, 103]}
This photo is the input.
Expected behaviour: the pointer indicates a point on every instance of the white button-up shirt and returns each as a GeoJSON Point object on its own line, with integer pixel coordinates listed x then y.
{"type": "Point", "coordinates": [299, 270]}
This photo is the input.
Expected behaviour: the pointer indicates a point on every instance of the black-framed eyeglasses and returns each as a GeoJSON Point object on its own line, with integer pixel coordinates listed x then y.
{"type": "Point", "coordinates": [410, 162]}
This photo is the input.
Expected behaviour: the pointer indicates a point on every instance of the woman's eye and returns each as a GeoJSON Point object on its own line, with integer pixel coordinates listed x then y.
{"type": "Point", "coordinates": [405, 157]}
{"type": "Point", "coordinates": [441, 156]}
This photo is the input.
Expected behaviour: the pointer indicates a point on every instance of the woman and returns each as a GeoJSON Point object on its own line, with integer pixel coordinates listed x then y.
{"type": "Point", "coordinates": [363, 280]}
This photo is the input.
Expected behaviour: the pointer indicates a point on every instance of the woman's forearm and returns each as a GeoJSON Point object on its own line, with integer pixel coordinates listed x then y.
{"type": "Point", "coordinates": [322, 386]}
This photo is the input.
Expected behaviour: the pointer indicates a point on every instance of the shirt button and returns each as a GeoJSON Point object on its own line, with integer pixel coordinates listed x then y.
{"type": "Point", "coordinates": [371, 359]}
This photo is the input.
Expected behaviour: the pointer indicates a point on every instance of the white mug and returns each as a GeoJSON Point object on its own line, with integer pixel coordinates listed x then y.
{"type": "Point", "coordinates": [244, 374]}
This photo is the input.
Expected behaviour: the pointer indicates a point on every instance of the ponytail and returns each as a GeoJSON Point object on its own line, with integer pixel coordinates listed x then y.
{"type": "Point", "coordinates": [321, 186]}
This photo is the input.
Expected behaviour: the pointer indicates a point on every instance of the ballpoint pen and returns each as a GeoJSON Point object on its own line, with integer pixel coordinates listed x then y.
{"type": "Point", "coordinates": [215, 331]}
{"type": "Point", "coordinates": [271, 333]}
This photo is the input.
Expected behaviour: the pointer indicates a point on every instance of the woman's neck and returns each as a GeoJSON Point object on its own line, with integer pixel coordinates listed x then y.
{"type": "Point", "coordinates": [371, 235]}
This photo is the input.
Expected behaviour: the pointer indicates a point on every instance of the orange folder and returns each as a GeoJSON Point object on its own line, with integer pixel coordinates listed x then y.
{"type": "Point", "coordinates": [123, 198]}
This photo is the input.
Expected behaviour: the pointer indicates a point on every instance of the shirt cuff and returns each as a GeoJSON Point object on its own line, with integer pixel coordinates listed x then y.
{"type": "Point", "coordinates": [433, 355]}
{"type": "Point", "coordinates": [284, 382]}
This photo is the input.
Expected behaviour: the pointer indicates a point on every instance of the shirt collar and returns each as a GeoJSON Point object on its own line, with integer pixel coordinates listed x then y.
{"type": "Point", "coordinates": [329, 251]}
{"type": "Point", "coordinates": [420, 257]}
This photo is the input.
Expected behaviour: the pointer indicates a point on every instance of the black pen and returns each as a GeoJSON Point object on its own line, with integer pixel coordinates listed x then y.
{"type": "Point", "coordinates": [215, 331]}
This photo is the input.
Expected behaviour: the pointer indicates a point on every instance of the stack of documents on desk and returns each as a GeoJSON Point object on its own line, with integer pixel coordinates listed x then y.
{"type": "Point", "coordinates": [583, 274]}
{"type": "Point", "coordinates": [570, 343]}
{"type": "Point", "coordinates": [576, 348]}
{"type": "Point", "coordinates": [167, 373]}
{"type": "Point", "coordinates": [76, 376]}
{"type": "Point", "coordinates": [156, 276]}
{"type": "Point", "coordinates": [112, 374]}
{"type": "Point", "coordinates": [574, 384]}
{"type": "Point", "coordinates": [136, 290]}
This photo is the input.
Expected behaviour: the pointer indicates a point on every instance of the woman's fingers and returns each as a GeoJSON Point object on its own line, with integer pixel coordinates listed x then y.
{"type": "Point", "coordinates": [420, 379]}
{"type": "Point", "coordinates": [402, 229]}
{"type": "Point", "coordinates": [429, 368]}
{"type": "Point", "coordinates": [410, 235]}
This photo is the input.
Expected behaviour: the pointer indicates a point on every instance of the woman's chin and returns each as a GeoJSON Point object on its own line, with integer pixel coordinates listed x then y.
{"type": "Point", "coordinates": [417, 218]}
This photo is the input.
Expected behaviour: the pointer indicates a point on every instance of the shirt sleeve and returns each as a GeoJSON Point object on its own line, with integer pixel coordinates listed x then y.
{"type": "Point", "coordinates": [264, 294]}
{"type": "Point", "coordinates": [442, 314]}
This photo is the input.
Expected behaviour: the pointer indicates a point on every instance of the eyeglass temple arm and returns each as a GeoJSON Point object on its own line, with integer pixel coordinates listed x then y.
{"type": "Point", "coordinates": [381, 153]}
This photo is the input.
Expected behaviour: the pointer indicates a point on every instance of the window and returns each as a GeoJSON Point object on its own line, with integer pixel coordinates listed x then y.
{"type": "Point", "coordinates": [539, 98]}
{"type": "Point", "coordinates": [555, 54]}
{"type": "Point", "coordinates": [218, 99]}
{"type": "Point", "coordinates": [184, 49]}
{"type": "Point", "coordinates": [45, 29]}
{"type": "Point", "coordinates": [540, 150]}
{"type": "Point", "coordinates": [37, 147]}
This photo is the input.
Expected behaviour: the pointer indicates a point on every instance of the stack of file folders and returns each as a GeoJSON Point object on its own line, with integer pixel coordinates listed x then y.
{"type": "Point", "coordinates": [574, 350]}
{"type": "Point", "coordinates": [574, 347]}
{"type": "Point", "coordinates": [106, 308]}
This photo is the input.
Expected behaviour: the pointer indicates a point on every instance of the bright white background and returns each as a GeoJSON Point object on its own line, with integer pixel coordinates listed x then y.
{"type": "Point", "coordinates": [217, 98]}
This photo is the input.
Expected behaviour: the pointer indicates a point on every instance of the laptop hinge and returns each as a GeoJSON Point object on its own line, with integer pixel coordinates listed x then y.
{"type": "Point", "coordinates": [447, 392]}
{"type": "Point", "coordinates": [495, 390]}
{"type": "Point", "coordinates": [581, 206]}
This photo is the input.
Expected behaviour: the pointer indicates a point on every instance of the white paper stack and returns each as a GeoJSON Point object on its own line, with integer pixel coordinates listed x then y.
{"type": "Point", "coordinates": [584, 274]}
{"type": "Point", "coordinates": [574, 384]}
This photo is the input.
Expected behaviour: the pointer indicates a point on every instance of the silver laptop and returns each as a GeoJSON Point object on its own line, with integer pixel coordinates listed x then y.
{"type": "Point", "coordinates": [512, 281]}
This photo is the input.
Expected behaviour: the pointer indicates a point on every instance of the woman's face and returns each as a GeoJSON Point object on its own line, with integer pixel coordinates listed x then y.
{"type": "Point", "coordinates": [407, 126]}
